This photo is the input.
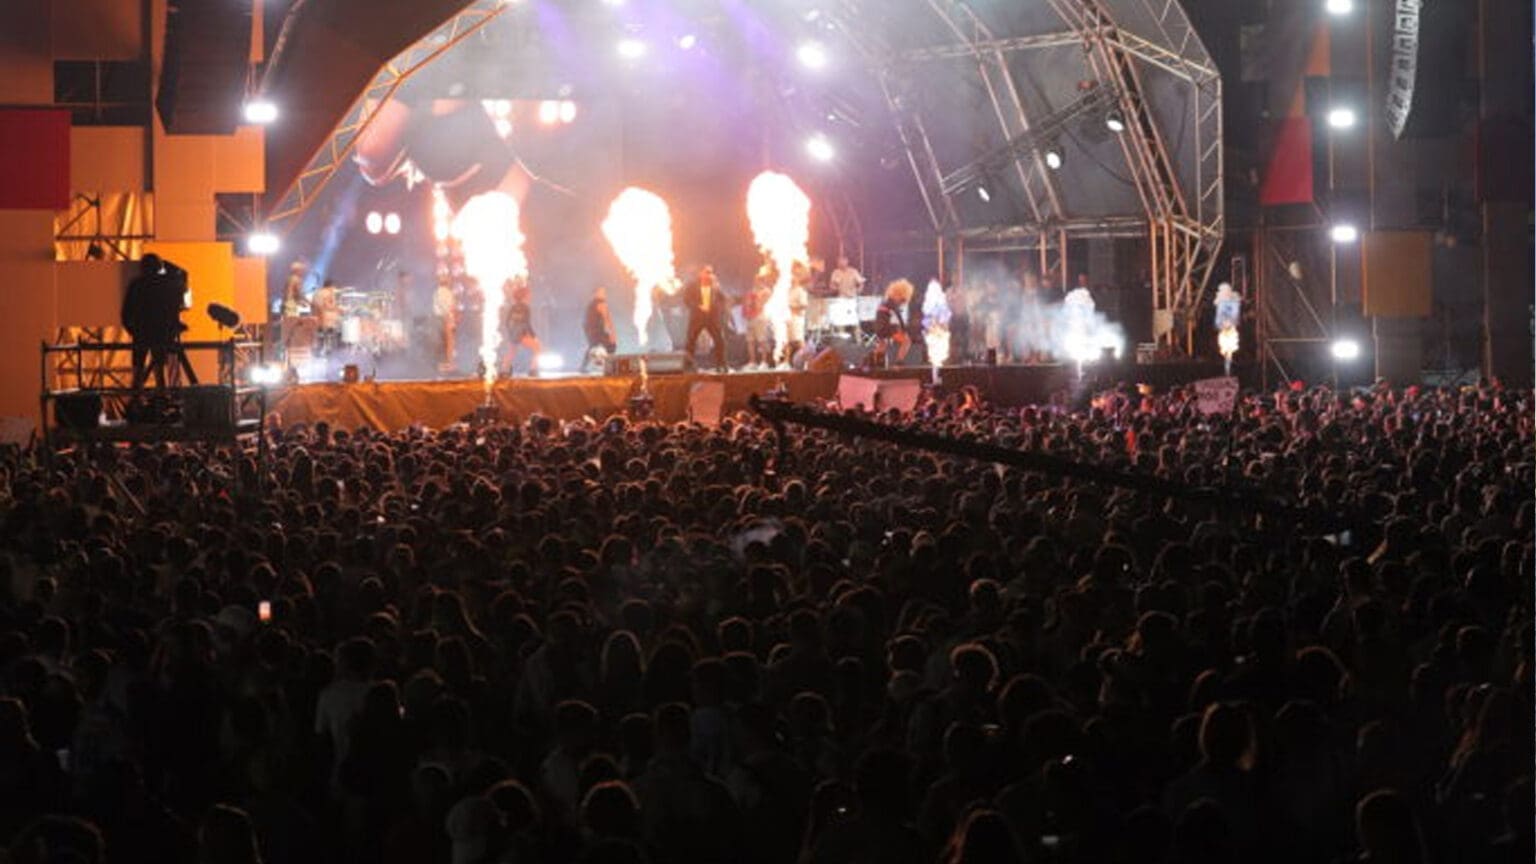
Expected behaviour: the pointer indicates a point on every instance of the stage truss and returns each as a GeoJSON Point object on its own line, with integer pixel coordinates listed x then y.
{"type": "Point", "coordinates": [1140, 58]}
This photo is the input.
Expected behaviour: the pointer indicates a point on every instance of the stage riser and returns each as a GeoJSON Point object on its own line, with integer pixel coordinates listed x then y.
{"type": "Point", "coordinates": [396, 405]}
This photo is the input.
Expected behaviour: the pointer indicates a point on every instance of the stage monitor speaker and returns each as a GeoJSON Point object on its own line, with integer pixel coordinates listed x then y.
{"type": "Point", "coordinates": [829, 360]}
{"type": "Point", "coordinates": [1397, 274]}
{"type": "Point", "coordinates": [208, 407]}
{"type": "Point", "coordinates": [78, 412]}
{"type": "Point", "coordinates": [655, 364]}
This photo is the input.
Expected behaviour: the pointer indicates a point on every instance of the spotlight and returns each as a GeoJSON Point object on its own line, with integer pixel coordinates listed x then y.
{"type": "Point", "coordinates": [1115, 121]}
{"type": "Point", "coordinates": [812, 54]}
{"type": "Point", "coordinates": [1345, 349]}
{"type": "Point", "coordinates": [631, 48]}
{"type": "Point", "coordinates": [1344, 233]}
{"type": "Point", "coordinates": [392, 223]}
{"type": "Point", "coordinates": [263, 243]}
{"type": "Point", "coordinates": [687, 41]}
{"type": "Point", "coordinates": [613, 2]}
{"type": "Point", "coordinates": [549, 112]}
{"type": "Point", "coordinates": [260, 112]}
{"type": "Point", "coordinates": [820, 148]}
{"type": "Point", "coordinates": [374, 222]}
{"type": "Point", "coordinates": [1339, 7]}
{"type": "Point", "coordinates": [551, 361]}
{"type": "Point", "coordinates": [981, 192]}
{"type": "Point", "coordinates": [567, 112]}
{"type": "Point", "coordinates": [1053, 159]}
{"type": "Point", "coordinates": [266, 375]}
{"type": "Point", "coordinates": [1342, 118]}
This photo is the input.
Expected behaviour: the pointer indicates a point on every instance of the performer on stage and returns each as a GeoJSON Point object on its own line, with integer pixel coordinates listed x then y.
{"type": "Point", "coordinates": [327, 309]}
{"type": "Point", "coordinates": [847, 281]}
{"type": "Point", "coordinates": [518, 323]}
{"type": "Point", "coordinates": [799, 302]}
{"type": "Point", "coordinates": [706, 310]}
{"type": "Point", "coordinates": [598, 327]}
{"type": "Point", "coordinates": [446, 309]}
{"type": "Point", "coordinates": [891, 323]}
{"type": "Point", "coordinates": [151, 313]}
{"type": "Point", "coordinates": [753, 311]}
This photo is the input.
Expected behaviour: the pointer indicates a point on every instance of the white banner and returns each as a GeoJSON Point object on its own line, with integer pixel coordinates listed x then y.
{"type": "Point", "coordinates": [856, 392]}
{"type": "Point", "coordinates": [1216, 395]}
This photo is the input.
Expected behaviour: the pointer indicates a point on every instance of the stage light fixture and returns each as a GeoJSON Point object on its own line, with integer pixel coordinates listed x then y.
{"type": "Point", "coordinates": [260, 112]}
{"type": "Point", "coordinates": [1342, 118]}
{"type": "Point", "coordinates": [1339, 7]}
{"type": "Point", "coordinates": [820, 148]}
{"type": "Point", "coordinates": [551, 362]}
{"type": "Point", "coordinates": [1053, 158]}
{"type": "Point", "coordinates": [392, 223]}
{"type": "Point", "coordinates": [631, 48]}
{"type": "Point", "coordinates": [687, 41]}
{"type": "Point", "coordinates": [812, 54]}
{"type": "Point", "coordinates": [263, 243]}
{"type": "Point", "coordinates": [1115, 121]}
{"type": "Point", "coordinates": [983, 194]}
{"type": "Point", "coordinates": [1344, 233]}
{"type": "Point", "coordinates": [567, 111]}
{"type": "Point", "coordinates": [266, 374]}
{"type": "Point", "coordinates": [374, 222]}
{"type": "Point", "coordinates": [549, 112]}
{"type": "Point", "coordinates": [1345, 349]}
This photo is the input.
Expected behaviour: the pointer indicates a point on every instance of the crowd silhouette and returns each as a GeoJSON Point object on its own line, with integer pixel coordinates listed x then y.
{"type": "Point", "coordinates": [623, 642]}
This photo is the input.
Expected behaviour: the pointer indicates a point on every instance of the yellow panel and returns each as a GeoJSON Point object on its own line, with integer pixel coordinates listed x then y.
{"type": "Point", "coordinates": [25, 56]}
{"type": "Point", "coordinates": [1397, 274]}
{"type": "Point", "coordinates": [106, 159]}
{"type": "Point", "coordinates": [98, 29]}
{"type": "Point", "coordinates": [211, 278]}
{"type": "Point", "coordinates": [239, 161]}
{"type": "Point", "coordinates": [26, 235]}
{"type": "Point", "coordinates": [251, 289]}
{"type": "Point", "coordinates": [90, 293]}
{"type": "Point", "coordinates": [29, 318]}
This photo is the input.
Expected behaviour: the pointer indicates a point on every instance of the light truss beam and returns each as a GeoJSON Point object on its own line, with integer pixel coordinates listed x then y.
{"type": "Point", "coordinates": [338, 147]}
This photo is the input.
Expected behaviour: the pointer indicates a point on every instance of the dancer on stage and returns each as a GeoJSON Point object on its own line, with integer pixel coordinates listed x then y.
{"type": "Point", "coordinates": [446, 308]}
{"type": "Point", "coordinates": [754, 313]}
{"type": "Point", "coordinates": [706, 310]}
{"type": "Point", "coordinates": [518, 323]}
{"type": "Point", "coordinates": [799, 302]}
{"type": "Point", "coordinates": [598, 327]}
{"type": "Point", "coordinates": [891, 323]}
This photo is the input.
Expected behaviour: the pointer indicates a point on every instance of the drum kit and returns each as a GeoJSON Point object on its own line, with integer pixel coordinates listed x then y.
{"type": "Point", "coordinates": [830, 317]}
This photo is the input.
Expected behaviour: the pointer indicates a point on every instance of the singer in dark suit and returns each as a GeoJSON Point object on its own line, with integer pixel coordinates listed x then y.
{"type": "Point", "coordinates": [707, 307]}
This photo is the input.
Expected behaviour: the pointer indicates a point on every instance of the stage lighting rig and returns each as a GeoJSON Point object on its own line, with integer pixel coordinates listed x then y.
{"type": "Point", "coordinates": [820, 148]}
{"type": "Point", "coordinates": [260, 112]}
{"type": "Point", "coordinates": [263, 243]}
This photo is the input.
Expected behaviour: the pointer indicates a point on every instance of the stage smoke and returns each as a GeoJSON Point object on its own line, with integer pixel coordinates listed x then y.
{"type": "Point", "coordinates": [491, 237]}
{"type": "Point", "coordinates": [639, 228]}
{"type": "Point", "coordinates": [1082, 333]}
{"type": "Point", "coordinates": [780, 214]}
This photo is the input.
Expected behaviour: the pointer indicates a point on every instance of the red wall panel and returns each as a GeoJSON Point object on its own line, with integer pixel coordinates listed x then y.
{"type": "Point", "coordinates": [34, 159]}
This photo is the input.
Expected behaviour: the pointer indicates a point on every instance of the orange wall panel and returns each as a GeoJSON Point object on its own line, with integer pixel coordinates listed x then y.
{"type": "Point", "coordinates": [251, 289]}
{"type": "Point", "coordinates": [106, 159]}
{"type": "Point", "coordinates": [26, 59]}
{"type": "Point", "coordinates": [98, 29]}
{"type": "Point", "coordinates": [239, 161]}
{"type": "Point", "coordinates": [27, 298]}
{"type": "Point", "coordinates": [26, 235]}
{"type": "Point", "coordinates": [1397, 273]}
{"type": "Point", "coordinates": [90, 293]}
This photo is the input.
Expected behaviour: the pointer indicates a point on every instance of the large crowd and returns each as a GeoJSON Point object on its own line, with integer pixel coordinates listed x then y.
{"type": "Point", "coordinates": [617, 641]}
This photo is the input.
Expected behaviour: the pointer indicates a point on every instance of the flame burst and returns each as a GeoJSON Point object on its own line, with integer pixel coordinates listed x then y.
{"type": "Point", "coordinates": [1227, 341]}
{"type": "Point", "coordinates": [781, 225]}
{"type": "Point", "coordinates": [639, 228]}
{"type": "Point", "coordinates": [491, 237]}
{"type": "Point", "coordinates": [936, 318]}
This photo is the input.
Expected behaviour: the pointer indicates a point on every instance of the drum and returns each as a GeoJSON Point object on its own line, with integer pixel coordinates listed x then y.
{"type": "Point", "coordinates": [868, 307]}
{"type": "Point", "coordinates": [816, 314]}
{"type": "Point", "coordinates": [393, 330]}
{"type": "Point", "coordinates": [351, 330]}
{"type": "Point", "coordinates": [843, 312]}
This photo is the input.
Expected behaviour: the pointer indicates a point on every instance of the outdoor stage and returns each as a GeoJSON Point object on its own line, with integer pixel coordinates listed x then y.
{"type": "Point", "coordinates": [389, 405]}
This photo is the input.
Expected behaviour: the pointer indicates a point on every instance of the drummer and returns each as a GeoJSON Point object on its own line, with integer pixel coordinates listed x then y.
{"type": "Point", "coordinates": [847, 281]}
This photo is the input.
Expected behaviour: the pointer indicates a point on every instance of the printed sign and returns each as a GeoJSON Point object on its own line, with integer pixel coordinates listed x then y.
{"type": "Point", "coordinates": [1216, 395]}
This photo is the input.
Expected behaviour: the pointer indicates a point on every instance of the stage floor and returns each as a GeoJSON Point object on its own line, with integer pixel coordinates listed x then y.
{"type": "Point", "coordinates": [389, 405]}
